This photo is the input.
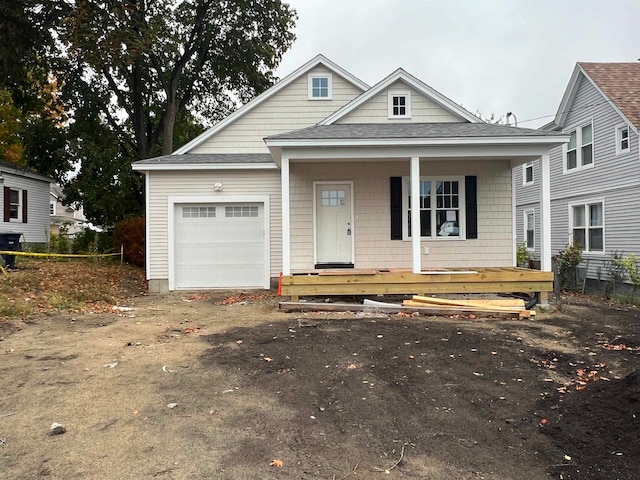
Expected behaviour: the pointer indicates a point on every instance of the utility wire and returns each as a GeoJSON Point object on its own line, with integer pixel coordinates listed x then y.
{"type": "Point", "coordinates": [570, 110]}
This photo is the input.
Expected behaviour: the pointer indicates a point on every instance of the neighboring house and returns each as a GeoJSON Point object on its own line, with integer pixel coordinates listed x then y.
{"type": "Point", "coordinates": [316, 173]}
{"type": "Point", "coordinates": [595, 178]}
{"type": "Point", "coordinates": [67, 216]}
{"type": "Point", "coordinates": [25, 201]}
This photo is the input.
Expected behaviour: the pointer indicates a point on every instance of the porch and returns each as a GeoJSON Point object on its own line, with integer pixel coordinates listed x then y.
{"type": "Point", "coordinates": [392, 281]}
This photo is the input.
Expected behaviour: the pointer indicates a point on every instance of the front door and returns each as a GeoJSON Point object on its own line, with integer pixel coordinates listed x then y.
{"type": "Point", "coordinates": [334, 225]}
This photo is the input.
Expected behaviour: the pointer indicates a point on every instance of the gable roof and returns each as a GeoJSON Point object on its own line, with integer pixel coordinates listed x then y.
{"type": "Point", "coordinates": [413, 82]}
{"type": "Point", "coordinates": [314, 62]}
{"type": "Point", "coordinates": [21, 171]}
{"type": "Point", "coordinates": [199, 161]}
{"type": "Point", "coordinates": [619, 83]}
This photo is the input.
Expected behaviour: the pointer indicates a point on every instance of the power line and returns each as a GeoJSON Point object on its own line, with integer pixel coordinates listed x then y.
{"type": "Point", "coordinates": [570, 110]}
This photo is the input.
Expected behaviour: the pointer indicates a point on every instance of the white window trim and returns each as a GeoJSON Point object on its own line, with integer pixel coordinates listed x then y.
{"type": "Point", "coordinates": [461, 209]}
{"type": "Point", "coordinates": [579, 165]}
{"type": "Point", "coordinates": [20, 200]}
{"type": "Point", "coordinates": [619, 149]}
{"type": "Point", "coordinates": [399, 93]}
{"type": "Point", "coordinates": [524, 174]}
{"type": "Point", "coordinates": [52, 207]}
{"type": "Point", "coordinates": [525, 222]}
{"type": "Point", "coordinates": [586, 203]}
{"type": "Point", "coordinates": [329, 78]}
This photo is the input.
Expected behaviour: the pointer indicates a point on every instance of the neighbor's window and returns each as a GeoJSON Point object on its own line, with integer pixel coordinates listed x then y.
{"type": "Point", "coordinates": [320, 87]}
{"type": "Point", "coordinates": [587, 226]}
{"type": "Point", "coordinates": [14, 204]}
{"type": "Point", "coordinates": [399, 104]}
{"type": "Point", "coordinates": [441, 207]}
{"type": "Point", "coordinates": [527, 173]}
{"type": "Point", "coordinates": [52, 208]}
{"type": "Point", "coordinates": [579, 152]}
{"type": "Point", "coordinates": [529, 229]}
{"type": "Point", "coordinates": [622, 139]}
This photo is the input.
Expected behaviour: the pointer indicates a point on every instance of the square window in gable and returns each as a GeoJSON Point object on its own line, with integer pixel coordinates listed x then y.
{"type": "Point", "coordinates": [320, 87]}
{"type": "Point", "coordinates": [399, 104]}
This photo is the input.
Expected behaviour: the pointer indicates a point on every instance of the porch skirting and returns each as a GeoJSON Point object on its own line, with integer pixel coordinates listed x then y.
{"type": "Point", "coordinates": [390, 281]}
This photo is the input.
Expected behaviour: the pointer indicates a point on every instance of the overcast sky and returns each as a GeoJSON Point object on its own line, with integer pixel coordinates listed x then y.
{"type": "Point", "coordinates": [488, 56]}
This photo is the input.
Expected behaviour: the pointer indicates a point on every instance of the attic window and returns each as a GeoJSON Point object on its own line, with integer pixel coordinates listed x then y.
{"type": "Point", "coordinates": [622, 139]}
{"type": "Point", "coordinates": [399, 104]}
{"type": "Point", "coordinates": [320, 87]}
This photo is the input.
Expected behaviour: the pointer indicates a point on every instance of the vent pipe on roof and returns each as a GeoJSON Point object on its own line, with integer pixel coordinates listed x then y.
{"type": "Point", "coordinates": [511, 114]}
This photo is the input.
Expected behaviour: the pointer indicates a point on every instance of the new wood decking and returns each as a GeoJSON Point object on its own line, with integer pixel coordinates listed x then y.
{"type": "Point", "coordinates": [402, 281]}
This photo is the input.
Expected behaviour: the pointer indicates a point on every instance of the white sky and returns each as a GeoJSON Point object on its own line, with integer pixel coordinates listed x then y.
{"type": "Point", "coordinates": [489, 56]}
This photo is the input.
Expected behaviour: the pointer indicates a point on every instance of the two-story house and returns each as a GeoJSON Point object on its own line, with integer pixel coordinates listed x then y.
{"type": "Point", "coordinates": [595, 178]}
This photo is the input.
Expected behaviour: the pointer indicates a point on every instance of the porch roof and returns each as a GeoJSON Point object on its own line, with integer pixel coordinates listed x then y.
{"type": "Point", "coordinates": [361, 131]}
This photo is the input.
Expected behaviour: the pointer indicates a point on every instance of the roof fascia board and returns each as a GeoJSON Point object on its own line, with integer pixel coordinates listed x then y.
{"type": "Point", "coordinates": [144, 167]}
{"type": "Point", "coordinates": [412, 81]}
{"type": "Point", "coordinates": [20, 173]}
{"type": "Point", "coordinates": [520, 140]}
{"type": "Point", "coordinates": [317, 60]}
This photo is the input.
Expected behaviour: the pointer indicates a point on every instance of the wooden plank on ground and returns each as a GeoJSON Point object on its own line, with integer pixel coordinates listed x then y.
{"type": "Point", "coordinates": [502, 302]}
{"type": "Point", "coordinates": [496, 309]}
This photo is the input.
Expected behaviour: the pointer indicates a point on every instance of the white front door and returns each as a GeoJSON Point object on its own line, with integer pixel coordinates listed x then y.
{"type": "Point", "coordinates": [334, 225]}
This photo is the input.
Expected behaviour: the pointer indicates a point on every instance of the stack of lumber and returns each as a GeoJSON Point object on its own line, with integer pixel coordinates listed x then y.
{"type": "Point", "coordinates": [508, 306]}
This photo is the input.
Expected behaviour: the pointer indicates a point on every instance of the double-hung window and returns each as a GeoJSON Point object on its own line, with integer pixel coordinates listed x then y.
{"type": "Point", "coordinates": [527, 173]}
{"type": "Point", "coordinates": [529, 229]}
{"type": "Point", "coordinates": [441, 207]}
{"type": "Point", "coordinates": [622, 139]}
{"type": "Point", "coordinates": [14, 205]}
{"type": "Point", "coordinates": [579, 152]}
{"type": "Point", "coordinates": [320, 87]}
{"type": "Point", "coordinates": [587, 225]}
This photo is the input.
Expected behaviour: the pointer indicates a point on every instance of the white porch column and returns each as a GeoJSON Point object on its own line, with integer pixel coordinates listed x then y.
{"type": "Point", "coordinates": [415, 214]}
{"type": "Point", "coordinates": [545, 214]}
{"type": "Point", "coordinates": [286, 217]}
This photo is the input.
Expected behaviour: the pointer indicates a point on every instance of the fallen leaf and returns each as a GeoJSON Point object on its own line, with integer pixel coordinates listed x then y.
{"type": "Point", "coordinates": [543, 421]}
{"type": "Point", "coordinates": [351, 367]}
{"type": "Point", "coordinates": [267, 359]}
{"type": "Point", "coordinates": [276, 462]}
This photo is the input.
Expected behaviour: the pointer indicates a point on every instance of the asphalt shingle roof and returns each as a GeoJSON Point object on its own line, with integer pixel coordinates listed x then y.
{"type": "Point", "coordinates": [408, 130]}
{"type": "Point", "coordinates": [621, 83]}
{"type": "Point", "coordinates": [208, 158]}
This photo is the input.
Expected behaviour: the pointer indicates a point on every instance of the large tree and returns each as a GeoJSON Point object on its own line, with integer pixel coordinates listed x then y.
{"type": "Point", "coordinates": [137, 77]}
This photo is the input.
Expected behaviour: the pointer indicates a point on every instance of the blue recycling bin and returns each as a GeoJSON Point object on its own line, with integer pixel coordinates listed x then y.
{"type": "Point", "coordinates": [10, 242]}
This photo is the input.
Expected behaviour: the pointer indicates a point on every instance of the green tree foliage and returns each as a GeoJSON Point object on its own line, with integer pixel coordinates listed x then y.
{"type": "Point", "coordinates": [138, 77]}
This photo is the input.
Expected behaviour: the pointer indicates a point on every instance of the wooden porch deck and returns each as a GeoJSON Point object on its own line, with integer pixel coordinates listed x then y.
{"type": "Point", "coordinates": [391, 281]}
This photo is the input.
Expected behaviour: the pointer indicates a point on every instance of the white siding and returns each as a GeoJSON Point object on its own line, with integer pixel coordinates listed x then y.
{"type": "Point", "coordinates": [289, 109]}
{"type": "Point", "coordinates": [36, 230]}
{"type": "Point", "coordinates": [373, 246]}
{"type": "Point", "coordinates": [200, 183]}
{"type": "Point", "coordinates": [423, 109]}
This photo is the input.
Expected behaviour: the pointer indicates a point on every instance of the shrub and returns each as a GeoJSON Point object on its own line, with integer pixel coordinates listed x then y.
{"type": "Point", "coordinates": [60, 243]}
{"type": "Point", "coordinates": [616, 271]}
{"type": "Point", "coordinates": [566, 262]}
{"type": "Point", "coordinates": [130, 234]}
{"type": "Point", "coordinates": [522, 255]}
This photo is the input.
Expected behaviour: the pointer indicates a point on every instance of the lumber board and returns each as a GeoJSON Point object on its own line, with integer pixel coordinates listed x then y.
{"type": "Point", "coordinates": [349, 307]}
{"type": "Point", "coordinates": [506, 302]}
{"type": "Point", "coordinates": [496, 309]}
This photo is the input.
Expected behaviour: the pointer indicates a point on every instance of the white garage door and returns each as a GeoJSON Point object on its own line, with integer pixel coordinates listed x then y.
{"type": "Point", "coordinates": [219, 245]}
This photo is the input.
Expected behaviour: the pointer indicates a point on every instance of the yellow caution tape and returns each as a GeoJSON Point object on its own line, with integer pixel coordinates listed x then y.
{"type": "Point", "coordinates": [66, 255]}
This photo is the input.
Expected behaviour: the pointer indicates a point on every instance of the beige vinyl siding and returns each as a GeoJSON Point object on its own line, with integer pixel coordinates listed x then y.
{"type": "Point", "coordinates": [373, 247]}
{"type": "Point", "coordinates": [289, 109]}
{"type": "Point", "coordinates": [423, 110]}
{"type": "Point", "coordinates": [200, 183]}
{"type": "Point", "coordinates": [36, 230]}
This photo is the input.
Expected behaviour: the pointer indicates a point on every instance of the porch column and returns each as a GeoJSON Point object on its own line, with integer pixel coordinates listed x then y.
{"type": "Point", "coordinates": [286, 219]}
{"type": "Point", "coordinates": [415, 214]}
{"type": "Point", "coordinates": [545, 214]}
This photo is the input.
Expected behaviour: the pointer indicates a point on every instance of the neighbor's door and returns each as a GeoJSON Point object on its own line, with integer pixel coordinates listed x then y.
{"type": "Point", "coordinates": [334, 225]}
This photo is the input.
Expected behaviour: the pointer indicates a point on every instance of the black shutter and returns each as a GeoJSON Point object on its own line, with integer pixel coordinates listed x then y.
{"type": "Point", "coordinates": [471, 204]}
{"type": "Point", "coordinates": [24, 206]}
{"type": "Point", "coordinates": [7, 204]}
{"type": "Point", "coordinates": [396, 207]}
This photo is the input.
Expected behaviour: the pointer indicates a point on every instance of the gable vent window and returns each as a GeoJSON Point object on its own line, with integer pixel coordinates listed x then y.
{"type": "Point", "coordinates": [527, 175]}
{"type": "Point", "coordinates": [320, 87]}
{"type": "Point", "coordinates": [399, 105]}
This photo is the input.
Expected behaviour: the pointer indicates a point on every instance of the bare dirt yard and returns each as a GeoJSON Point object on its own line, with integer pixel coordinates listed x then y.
{"type": "Point", "coordinates": [216, 385]}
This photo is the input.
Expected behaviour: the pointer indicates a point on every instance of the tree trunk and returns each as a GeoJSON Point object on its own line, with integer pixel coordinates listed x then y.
{"type": "Point", "coordinates": [167, 127]}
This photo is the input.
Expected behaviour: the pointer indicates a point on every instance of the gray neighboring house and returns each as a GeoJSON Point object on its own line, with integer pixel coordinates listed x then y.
{"type": "Point", "coordinates": [595, 179]}
{"type": "Point", "coordinates": [70, 217]}
{"type": "Point", "coordinates": [25, 203]}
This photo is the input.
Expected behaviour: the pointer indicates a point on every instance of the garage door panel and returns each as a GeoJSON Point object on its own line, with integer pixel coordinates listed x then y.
{"type": "Point", "coordinates": [219, 245]}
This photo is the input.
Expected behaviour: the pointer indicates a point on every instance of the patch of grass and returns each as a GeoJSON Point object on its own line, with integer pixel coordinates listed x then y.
{"type": "Point", "coordinates": [73, 285]}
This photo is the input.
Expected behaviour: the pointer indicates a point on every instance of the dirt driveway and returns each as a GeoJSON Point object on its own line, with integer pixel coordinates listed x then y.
{"type": "Point", "coordinates": [180, 387]}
